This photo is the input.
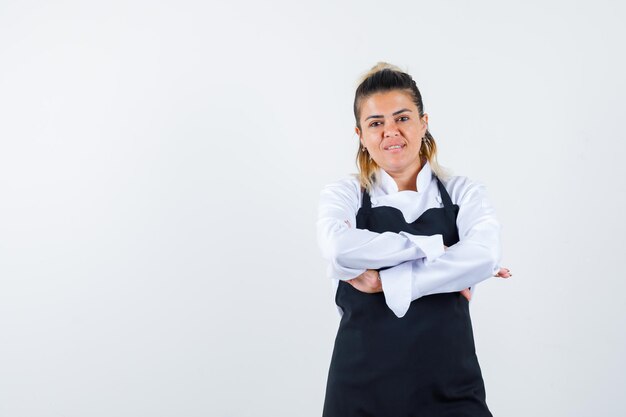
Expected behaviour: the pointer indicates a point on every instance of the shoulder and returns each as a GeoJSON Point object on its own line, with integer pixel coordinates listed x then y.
{"type": "Point", "coordinates": [346, 189]}
{"type": "Point", "coordinates": [347, 185]}
{"type": "Point", "coordinates": [462, 188]}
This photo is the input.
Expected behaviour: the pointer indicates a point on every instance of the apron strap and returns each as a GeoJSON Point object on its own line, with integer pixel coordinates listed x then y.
{"type": "Point", "coordinates": [445, 197]}
{"type": "Point", "coordinates": [366, 203]}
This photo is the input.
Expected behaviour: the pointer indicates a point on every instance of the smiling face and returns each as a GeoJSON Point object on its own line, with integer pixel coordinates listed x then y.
{"type": "Point", "coordinates": [392, 131]}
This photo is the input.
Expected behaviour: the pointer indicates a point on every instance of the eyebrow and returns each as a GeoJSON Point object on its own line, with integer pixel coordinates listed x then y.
{"type": "Point", "coordinates": [380, 116]}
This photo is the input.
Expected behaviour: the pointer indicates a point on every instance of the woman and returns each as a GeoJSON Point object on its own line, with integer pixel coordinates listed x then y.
{"type": "Point", "coordinates": [405, 244]}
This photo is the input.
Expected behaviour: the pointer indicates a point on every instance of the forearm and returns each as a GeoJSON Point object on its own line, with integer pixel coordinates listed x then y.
{"type": "Point", "coordinates": [347, 247]}
{"type": "Point", "coordinates": [473, 259]}
{"type": "Point", "coordinates": [351, 249]}
{"type": "Point", "coordinates": [463, 265]}
{"type": "Point", "coordinates": [342, 273]}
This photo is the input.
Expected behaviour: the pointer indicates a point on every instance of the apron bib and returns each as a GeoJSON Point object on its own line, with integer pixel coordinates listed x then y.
{"type": "Point", "coordinates": [423, 364]}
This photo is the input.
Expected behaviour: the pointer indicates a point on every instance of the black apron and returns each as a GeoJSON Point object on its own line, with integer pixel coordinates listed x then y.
{"type": "Point", "coordinates": [423, 364]}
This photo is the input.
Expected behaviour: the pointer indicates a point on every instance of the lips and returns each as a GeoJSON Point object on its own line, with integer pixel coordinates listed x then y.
{"type": "Point", "coordinates": [394, 146]}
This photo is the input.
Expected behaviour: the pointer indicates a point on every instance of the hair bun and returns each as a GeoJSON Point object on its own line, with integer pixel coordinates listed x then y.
{"type": "Point", "coordinates": [380, 65]}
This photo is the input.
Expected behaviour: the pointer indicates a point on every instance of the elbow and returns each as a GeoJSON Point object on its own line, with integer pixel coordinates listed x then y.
{"type": "Point", "coordinates": [486, 240]}
{"type": "Point", "coordinates": [494, 265]}
{"type": "Point", "coordinates": [342, 253]}
{"type": "Point", "coordinates": [330, 252]}
{"type": "Point", "coordinates": [492, 258]}
{"type": "Point", "coordinates": [338, 254]}
{"type": "Point", "coordinates": [330, 241]}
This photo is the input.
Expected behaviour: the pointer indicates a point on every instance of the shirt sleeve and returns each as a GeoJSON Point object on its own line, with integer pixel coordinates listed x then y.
{"type": "Point", "coordinates": [350, 251]}
{"type": "Point", "coordinates": [473, 259]}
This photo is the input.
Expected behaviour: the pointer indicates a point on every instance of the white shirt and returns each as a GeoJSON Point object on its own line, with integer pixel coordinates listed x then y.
{"type": "Point", "coordinates": [419, 264]}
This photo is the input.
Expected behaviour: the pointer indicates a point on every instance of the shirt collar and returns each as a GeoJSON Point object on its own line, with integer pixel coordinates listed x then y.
{"type": "Point", "coordinates": [387, 184]}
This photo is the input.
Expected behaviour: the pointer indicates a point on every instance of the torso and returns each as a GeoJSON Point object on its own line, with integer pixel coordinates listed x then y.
{"type": "Point", "coordinates": [421, 364]}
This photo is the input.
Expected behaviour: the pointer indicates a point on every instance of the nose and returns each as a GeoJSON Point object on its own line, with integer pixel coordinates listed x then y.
{"type": "Point", "coordinates": [391, 129]}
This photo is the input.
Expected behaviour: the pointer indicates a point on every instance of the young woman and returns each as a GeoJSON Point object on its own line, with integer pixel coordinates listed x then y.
{"type": "Point", "coordinates": [405, 244]}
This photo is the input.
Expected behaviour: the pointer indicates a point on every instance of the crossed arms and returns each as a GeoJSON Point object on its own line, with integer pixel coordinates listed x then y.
{"type": "Point", "coordinates": [415, 265]}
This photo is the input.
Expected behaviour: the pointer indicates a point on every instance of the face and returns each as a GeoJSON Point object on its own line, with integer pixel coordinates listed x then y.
{"type": "Point", "coordinates": [392, 131]}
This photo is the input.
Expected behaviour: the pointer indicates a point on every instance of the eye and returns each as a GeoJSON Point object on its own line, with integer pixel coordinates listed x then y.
{"type": "Point", "coordinates": [403, 118]}
{"type": "Point", "coordinates": [374, 124]}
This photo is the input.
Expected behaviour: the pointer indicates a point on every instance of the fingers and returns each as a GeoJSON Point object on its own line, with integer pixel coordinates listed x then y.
{"type": "Point", "coordinates": [504, 273]}
{"type": "Point", "coordinates": [466, 293]}
{"type": "Point", "coordinates": [366, 283]}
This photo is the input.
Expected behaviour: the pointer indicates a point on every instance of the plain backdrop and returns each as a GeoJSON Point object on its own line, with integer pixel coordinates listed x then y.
{"type": "Point", "coordinates": [160, 167]}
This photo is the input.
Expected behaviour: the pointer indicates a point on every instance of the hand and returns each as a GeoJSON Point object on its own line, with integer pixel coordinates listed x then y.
{"type": "Point", "coordinates": [504, 273]}
{"type": "Point", "coordinates": [369, 282]}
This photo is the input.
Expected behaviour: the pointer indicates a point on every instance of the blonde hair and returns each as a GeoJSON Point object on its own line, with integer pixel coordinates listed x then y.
{"type": "Point", "coordinates": [384, 77]}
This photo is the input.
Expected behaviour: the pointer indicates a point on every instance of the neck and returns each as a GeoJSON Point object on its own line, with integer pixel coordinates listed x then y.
{"type": "Point", "coordinates": [406, 180]}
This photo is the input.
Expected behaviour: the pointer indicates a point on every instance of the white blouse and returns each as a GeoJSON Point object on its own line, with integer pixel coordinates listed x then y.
{"type": "Point", "coordinates": [419, 264]}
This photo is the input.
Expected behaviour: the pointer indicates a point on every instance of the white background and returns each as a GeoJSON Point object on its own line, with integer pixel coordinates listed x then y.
{"type": "Point", "coordinates": [160, 167]}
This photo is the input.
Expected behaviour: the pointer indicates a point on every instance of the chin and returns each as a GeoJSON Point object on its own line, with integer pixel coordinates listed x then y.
{"type": "Point", "coordinates": [400, 165]}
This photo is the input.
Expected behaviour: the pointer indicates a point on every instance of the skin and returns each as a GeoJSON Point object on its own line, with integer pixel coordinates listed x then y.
{"type": "Point", "coordinates": [391, 118]}
{"type": "Point", "coordinates": [368, 281]}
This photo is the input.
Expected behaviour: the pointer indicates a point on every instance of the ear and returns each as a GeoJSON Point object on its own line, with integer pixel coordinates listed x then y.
{"type": "Point", "coordinates": [425, 118]}
{"type": "Point", "coordinates": [357, 131]}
